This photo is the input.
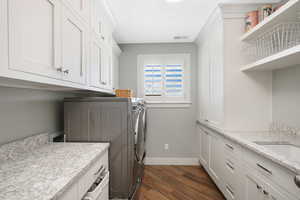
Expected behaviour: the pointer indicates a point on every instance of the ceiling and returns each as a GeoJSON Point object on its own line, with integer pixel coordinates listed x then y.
{"type": "Point", "coordinates": [156, 21]}
{"type": "Point", "coordinates": [152, 21]}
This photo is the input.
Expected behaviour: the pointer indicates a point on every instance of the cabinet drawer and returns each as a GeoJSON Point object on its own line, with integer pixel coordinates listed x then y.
{"type": "Point", "coordinates": [230, 172]}
{"type": "Point", "coordinates": [272, 171]}
{"type": "Point", "coordinates": [91, 175]}
{"type": "Point", "coordinates": [71, 193]}
{"type": "Point", "coordinates": [231, 149]}
{"type": "Point", "coordinates": [229, 192]}
{"type": "Point", "coordinates": [231, 178]}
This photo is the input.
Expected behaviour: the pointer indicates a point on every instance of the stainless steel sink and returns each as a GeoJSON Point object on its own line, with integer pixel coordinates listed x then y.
{"type": "Point", "coordinates": [288, 150]}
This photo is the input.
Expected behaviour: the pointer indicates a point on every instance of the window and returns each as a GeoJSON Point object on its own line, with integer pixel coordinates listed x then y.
{"type": "Point", "coordinates": [164, 78]}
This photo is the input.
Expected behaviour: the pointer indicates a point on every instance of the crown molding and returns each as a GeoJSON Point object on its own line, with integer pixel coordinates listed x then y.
{"type": "Point", "coordinates": [110, 13]}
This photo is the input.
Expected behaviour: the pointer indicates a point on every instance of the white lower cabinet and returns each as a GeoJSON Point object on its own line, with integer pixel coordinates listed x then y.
{"type": "Point", "coordinates": [256, 187]}
{"type": "Point", "coordinates": [242, 174]}
{"type": "Point", "coordinates": [79, 189]}
{"type": "Point", "coordinates": [215, 156]}
{"type": "Point", "coordinates": [71, 193]}
{"type": "Point", "coordinates": [252, 187]}
{"type": "Point", "coordinates": [204, 147]}
{"type": "Point", "coordinates": [277, 194]}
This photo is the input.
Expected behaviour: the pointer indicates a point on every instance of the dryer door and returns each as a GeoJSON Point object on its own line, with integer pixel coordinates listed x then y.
{"type": "Point", "coordinates": [141, 130]}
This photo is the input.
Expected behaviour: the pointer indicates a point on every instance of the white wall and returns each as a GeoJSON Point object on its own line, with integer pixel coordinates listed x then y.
{"type": "Point", "coordinates": [25, 112]}
{"type": "Point", "coordinates": [175, 127]}
{"type": "Point", "coordinates": [286, 96]}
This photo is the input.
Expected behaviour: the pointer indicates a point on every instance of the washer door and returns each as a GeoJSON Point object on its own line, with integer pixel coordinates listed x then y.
{"type": "Point", "coordinates": [140, 137]}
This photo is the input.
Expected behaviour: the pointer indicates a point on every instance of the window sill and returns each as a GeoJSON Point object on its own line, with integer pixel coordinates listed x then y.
{"type": "Point", "coordinates": [165, 104]}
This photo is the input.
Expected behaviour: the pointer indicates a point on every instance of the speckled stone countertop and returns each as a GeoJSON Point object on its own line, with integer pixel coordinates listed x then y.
{"type": "Point", "coordinates": [248, 139]}
{"type": "Point", "coordinates": [46, 171]}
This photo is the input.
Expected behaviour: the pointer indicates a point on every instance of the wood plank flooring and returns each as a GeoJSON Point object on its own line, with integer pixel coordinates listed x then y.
{"type": "Point", "coordinates": [177, 183]}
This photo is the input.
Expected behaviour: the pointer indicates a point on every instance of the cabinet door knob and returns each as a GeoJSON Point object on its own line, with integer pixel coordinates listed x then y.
{"type": "Point", "coordinates": [66, 71]}
{"type": "Point", "coordinates": [229, 146]}
{"type": "Point", "coordinates": [266, 193]}
{"type": "Point", "coordinates": [297, 181]}
{"type": "Point", "coordinates": [258, 187]}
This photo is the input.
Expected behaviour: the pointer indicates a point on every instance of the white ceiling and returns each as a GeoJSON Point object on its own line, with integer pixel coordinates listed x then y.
{"type": "Point", "coordinates": [151, 21]}
{"type": "Point", "coordinates": [154, 21]}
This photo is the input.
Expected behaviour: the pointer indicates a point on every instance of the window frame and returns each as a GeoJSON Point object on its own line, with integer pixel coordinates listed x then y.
{"type": "Point", "coordinates": [163, 101]}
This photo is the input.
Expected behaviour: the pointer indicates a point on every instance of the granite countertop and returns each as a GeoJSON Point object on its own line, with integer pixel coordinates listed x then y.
{"type": "Point", "coordinates": [248, 139]}
{"type": "Point", "coordinates": [46, 171]}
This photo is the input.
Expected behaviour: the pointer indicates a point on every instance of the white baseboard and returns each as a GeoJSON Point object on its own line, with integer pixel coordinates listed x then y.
{"type": "Point", "coordinates": [171, 161]}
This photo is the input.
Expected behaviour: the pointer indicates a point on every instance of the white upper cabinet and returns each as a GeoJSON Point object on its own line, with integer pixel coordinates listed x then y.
{"type": "Point", "coordinates": [34, 28]}
{"type": "Point", "coordinates": [65, 43]}
{"type": "Point", "coordinates": [74, 43]}
{"type": "Point", "coordinates": [210, 73]}
{"type": "Point", "coordinates": [97, 21]}
{"type": "Point", "coordinates": [204, 90]}
{"type": "Point", "coordinates": [107, 68]}
{"type": "Point", "coordinates": [101, 65]}
{"type": "Point", "coordinates": [102, 34]}
{"type": "Point", "coordinates": [100, 22]}
{"type": "Point", "coordinates": [229, 99]}
{"type": "Point", "coordinates": [115, 63]}
{"type": "Point", "coordinates": [82, 7]}
{"type": "Point", "coordinates": [96, 63]}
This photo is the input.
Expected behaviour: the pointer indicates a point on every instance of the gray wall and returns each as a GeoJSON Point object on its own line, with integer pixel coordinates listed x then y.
{"type": "Point", "coordinates": [25, 112]}
{"type": "Point", "coordinates": [175, 126]}
{"type": "Point", "coordinates": [286, 96]}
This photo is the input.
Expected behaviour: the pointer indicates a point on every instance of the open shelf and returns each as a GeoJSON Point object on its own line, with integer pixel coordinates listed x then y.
{"type": "Point", "coordinates": [283, 59]}
{"type": "Point", "coordinates": [288, 12]}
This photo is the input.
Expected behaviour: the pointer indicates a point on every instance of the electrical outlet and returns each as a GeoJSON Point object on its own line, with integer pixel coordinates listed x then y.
{"type": "Point", "coordinates": [166, 146]}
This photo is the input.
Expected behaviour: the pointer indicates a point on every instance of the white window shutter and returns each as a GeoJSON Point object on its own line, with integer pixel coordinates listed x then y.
{"type": "Point", "coordinates": [153, 80]}
{"type": "Point", "coordinates": [174, 80]}
{"type": "Point", "coordinates": [164, 78]}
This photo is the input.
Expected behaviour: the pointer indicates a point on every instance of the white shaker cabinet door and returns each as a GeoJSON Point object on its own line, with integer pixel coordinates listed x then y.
{"type": "Point", "coordinates": [253, 187]}
{"type": "Point", "coordinates": [216, 156]}
{"type": "Point", "coordinates": [97, 22]}
{"type": "Point", "coordinates": [204, 147]}
{"type": "Point", "coordinates": [115, 71]}
{"type": "Point", "coordinates": [273, 193]}
{"type": "Point", "coordinates": [96, 63]}
{"type": "Point", "coordinates": [110, 70]}
{"type": "Point", "coordinates": [105, 70]}
{"type": "Point", "coordinates": [73, 48]}
{"type": "Point", "coordinates": [34, 28]}
{"type": "Point", "coordinates": [204, 83]}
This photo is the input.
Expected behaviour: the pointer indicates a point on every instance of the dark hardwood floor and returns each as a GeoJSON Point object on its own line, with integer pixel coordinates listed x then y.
{"type": "Point", "coordinates": [177, 183]}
